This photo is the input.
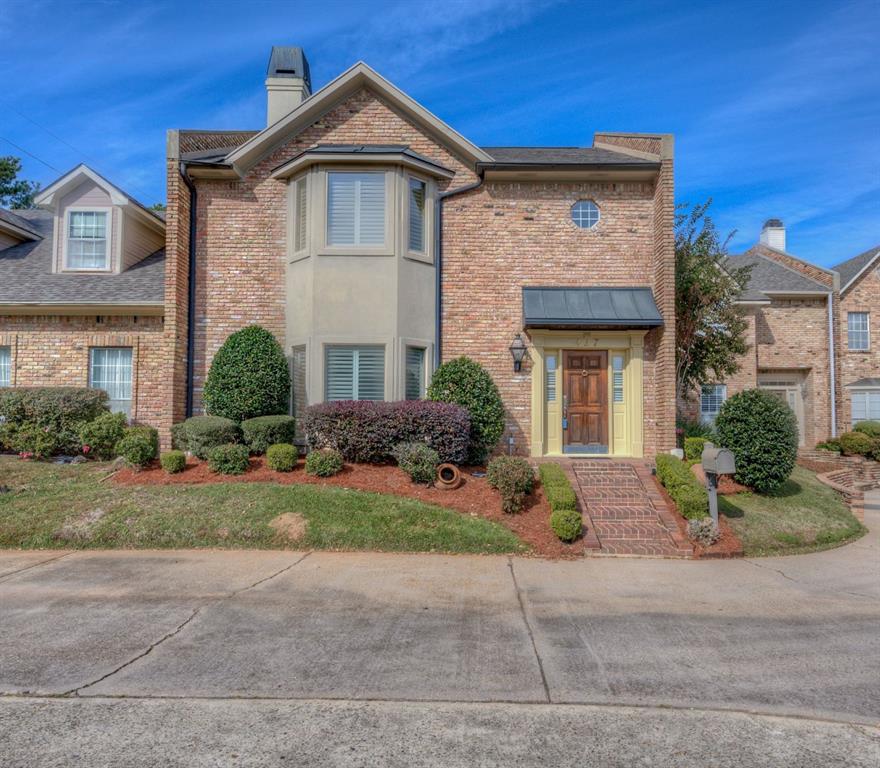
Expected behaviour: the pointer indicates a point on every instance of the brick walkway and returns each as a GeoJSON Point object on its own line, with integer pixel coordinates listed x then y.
{"type": "Point", "coordinates": [624, 513]}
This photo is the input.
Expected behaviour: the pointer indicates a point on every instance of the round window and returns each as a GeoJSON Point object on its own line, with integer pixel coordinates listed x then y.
{"type": "Point", "coordinates": [585, 213]}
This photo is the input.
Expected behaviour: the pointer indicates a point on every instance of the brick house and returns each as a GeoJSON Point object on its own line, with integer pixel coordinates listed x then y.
{"type": "Point", "coordinates": [375, 242]}
{"type": "Point", "coordinates": [809, 338]}
{"type": "Point", "coordinates": [82, 296]}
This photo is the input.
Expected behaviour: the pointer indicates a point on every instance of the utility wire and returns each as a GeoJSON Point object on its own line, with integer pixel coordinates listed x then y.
{"type": "Point", "coordinates": [31, 154]}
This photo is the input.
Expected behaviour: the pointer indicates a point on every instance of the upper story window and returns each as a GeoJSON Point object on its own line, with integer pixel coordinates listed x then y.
{"type": "Point", "coordinates": [416, 196]}
{"type": "Point", "coordinates": [300, 213]}
{"type": "Point", "coordinates": [858, 332]}
{"type": "Point", "coordinates": [585, 213]}
{"type": "Point", "coordinates": [5, 367]}
{"type": "Point", "coordinates": [355, 208]}
{"type": "Point", "coordinates": [87, 240]}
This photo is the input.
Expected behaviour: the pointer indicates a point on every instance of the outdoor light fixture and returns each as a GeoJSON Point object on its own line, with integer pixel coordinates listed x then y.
{"type": "Point", "coordinates": [517, 352]}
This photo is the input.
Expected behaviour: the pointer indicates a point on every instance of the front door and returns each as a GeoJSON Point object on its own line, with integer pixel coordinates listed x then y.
{"type": "Point", "coordinates": [585, 402]}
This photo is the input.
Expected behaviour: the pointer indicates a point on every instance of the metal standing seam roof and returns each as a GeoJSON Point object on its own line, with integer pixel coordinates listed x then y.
{"type": "Point", "coordinates": [622, 307]}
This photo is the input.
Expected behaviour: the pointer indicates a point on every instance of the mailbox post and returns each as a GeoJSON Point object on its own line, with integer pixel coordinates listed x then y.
{"type": "Point", "coordinates": [715, 461]}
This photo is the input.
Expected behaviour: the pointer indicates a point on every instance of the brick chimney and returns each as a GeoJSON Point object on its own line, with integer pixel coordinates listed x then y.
{"type": "Point", "coordinates": [773, 234]}
{"type": "Point", "coordinates": [288, 82]}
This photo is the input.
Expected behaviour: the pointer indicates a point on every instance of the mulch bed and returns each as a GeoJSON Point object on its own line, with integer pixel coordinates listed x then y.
{"type": "Point", "coordinates": [727, 546]}
{"type": "Point", "coordinates": [474, 496]}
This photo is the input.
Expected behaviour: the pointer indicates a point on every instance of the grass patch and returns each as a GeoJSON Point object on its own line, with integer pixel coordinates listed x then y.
{"type": "Point", "coordinates": [56, 506]}
{"type": "Point", "coordinates": [802, 516]}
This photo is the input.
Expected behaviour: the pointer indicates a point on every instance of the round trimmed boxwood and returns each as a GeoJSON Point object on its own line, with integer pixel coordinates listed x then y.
{"type": "Point", "coordinates": [139, 445]}
{"type": "Point", "coordinates": [466, 383]}
{"type": "Point", "coordinates": [281, 457]}
{"type": "Point", "coordinates": [762, 432]}
{"type": "Point", "coordinates": [325, 462]}
{"type": "Point", "coordinates": [262, 431]}
{"type": "Point", "coordinates": [100, 436]}
{"type": "Point", "coordinates": [173, 461]}
{"type": "Point", "coordinates": [870, 428]}
{"type": "Point", "coordinates": [248, 376]}
{"type": "Point", "coordinates": [231, 459]}
{"type": "Point", "coordinates": [856, 444]}
{"type": "Point", "coordinates": [566, 524]}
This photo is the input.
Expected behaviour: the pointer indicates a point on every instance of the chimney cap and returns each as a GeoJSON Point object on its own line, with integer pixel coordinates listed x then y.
{"type": "Point", "coordinates": [289, 61]}
{"type": "Point", "coordinates": [773, 223]}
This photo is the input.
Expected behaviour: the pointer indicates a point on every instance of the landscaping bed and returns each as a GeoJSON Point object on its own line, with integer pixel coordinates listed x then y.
{"type": "Point", "coordinates": [474, 497]}
{"type": "Point", "coordinates": [728, 544]}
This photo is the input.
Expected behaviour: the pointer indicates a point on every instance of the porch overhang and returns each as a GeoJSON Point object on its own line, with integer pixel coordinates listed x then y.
{"type": "Point", "coordinates": [590, 308]}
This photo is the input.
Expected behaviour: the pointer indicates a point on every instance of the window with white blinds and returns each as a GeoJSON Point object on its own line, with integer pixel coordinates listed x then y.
{"type": "Point", "coordinates": [415, 373]}
{"type": "Point", "coordinates": [416, 215]}
{"type": "Point", "coordinates": [300, 213]}
{"type": "Point", "coordinates": [5, 367]}
{"type": "Point", "coordinates": [110, 370]}
{"type": "Point", "coordinates": [865, 405]}
{"type": "Point", "coordinates": [355, 208]}
{"type": "Point", "coordinates": [87, 240]}
{"type": "Point", "coordinates": [354, 373]}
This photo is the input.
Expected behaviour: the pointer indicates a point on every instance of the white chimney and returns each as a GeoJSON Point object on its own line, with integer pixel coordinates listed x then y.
{"type": "Point", "coordinates": [773, 234]}
{"type": "Point", "coordinates": [288, 83]}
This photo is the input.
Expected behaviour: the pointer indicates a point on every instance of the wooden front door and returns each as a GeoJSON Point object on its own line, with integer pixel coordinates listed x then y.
{"type": "Point", "coordinates": [585, 401]}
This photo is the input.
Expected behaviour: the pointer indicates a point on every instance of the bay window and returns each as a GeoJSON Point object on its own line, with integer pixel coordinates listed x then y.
{"type": "Point", "coordinates": [416, 196]}
{"type": "Point", "coordinates": [354, 372]}
{"type": "Point", "coordinates": [415, 373]}
{"type": "Point", "coordinates": [356, 208]}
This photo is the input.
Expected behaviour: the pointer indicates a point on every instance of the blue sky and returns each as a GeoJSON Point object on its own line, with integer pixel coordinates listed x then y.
{"type": "Point", "coordinates": [775, 105]}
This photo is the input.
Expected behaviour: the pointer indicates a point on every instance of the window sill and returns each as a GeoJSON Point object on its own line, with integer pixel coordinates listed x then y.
{"type": "Point", "coordinates": [424, 258]}
{"type": "Point", "coordinates": [355, 252]}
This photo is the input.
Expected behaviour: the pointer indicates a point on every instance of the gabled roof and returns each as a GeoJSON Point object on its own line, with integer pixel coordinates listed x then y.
{"type": "Point", "coordinates": [26, 276]}
{"type": "Point", "coordinates": [769, 277]}
{"type": "Point", "coordinates": [852, 269]}
{"type": "Point", "coordinates": [17, 226]}
{"type": "Point", "coordinates": [73, 178]}
{"type": "Point", "coordinates": [244, 157]}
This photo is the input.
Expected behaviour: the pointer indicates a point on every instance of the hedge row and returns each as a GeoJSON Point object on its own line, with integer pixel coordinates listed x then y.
{"type": "Point", "coordinates": [368, 432]}
{"type": "Point", "coordinates": [565, 519]}
{"type": "Point", "coordinates": [689, 495]}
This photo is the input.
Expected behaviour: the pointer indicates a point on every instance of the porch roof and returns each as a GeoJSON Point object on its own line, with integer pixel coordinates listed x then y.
{"type": "Point", "coordinates": [598, 307]}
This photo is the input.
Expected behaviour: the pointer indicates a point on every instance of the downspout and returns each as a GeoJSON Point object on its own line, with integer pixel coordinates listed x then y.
{"type": "Point", "coordinates": [191, 293]}
{"type": "Point", "coordinates": [438, 249]}
{"type": "Point", "coordinates": [833, 366]}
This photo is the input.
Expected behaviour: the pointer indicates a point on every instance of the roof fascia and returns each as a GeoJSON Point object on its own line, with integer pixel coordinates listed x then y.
{"type": "Point", "coordinates": [16, 231]}
{"type": "Point", "coordinates": [307, 159]}
{"type": "Point", "coordinates": [72, 308]}
{"type": "Point", "coordinates": [70, 180]}
{"type": "Point", "coordinates": [358, 76]}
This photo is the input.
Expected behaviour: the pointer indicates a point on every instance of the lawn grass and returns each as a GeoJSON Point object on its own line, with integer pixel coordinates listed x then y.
{"type": "Point", "coordinates": [56, 506]}
{"type": "Point", "coordinates": [802, 516]}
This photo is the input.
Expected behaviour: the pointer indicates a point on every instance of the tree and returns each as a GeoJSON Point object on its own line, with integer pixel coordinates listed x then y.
{"type": "Point", "coordinates": [709, 325]}
{"type": "Point", "coordinates": [158, 207]}
{"type": "Point", "coordinates": [15, 192]}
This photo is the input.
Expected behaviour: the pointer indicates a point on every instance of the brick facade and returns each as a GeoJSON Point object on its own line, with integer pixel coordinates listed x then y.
{"type": "Point", "coordinates": [54, 351]}
{"type": "Point", "coordinates": [862, 296]}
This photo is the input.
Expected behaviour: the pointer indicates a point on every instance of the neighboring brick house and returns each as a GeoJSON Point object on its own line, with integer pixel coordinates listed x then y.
{"type": "Point", "coordinates": [859, 348]}
{"type": "Point", "coordinates": [375, 241]}
{"type": "Point", "coordinates": [82, 295]}
{"type": "Point", "coordinates": [809, 338]}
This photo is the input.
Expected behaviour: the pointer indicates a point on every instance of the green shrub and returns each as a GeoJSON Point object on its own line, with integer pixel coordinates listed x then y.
{"type": "Point", "coordinates": [560, 495]}
{"type": "Point", "coordinates": [325, 462]}
{"type": "Point", "coordinates": [248, 377]}
{"type": "Point", "coordinates": [418, 460]}
{"type": "Point", "coordinates": [513, 478]}
{"type": "Point", "coordinates": [262, 431]}
{"type": "Point", "coordinates": [199, 434]}
{"type": "Point", "coordinates": [57, 412]}
{"type": "Point", "coordinates": [829, 445]}
{"type": "Point", "coordinates": [30, 440]}
{"type": "Point", "coordinates": [281, 457]}
{"type": "Point", "coordinates": [856, 444]}
{"type": "Point", "coordinates": [689, 495]}
{"type": "Point", "coordinates": [566, 524]}
{"type": "Point", "coordinates": [173, 461]}
{"type": "Point", "coordinates": [762, 433]}
{"type": "Point", "coordinates": [100, 436]}
{"type": "Point", "coordinates": [704, 531]}
{"type": "Point", "coordinates": [693, 447]}
{"type": "Point", "coordinates": [230, 459]}
{"type": "Point", "coordinates": [870, 428]}
{"type": "Point", "coordinates": [139, 445]}
{"type": "Point", "coordinates": [695, 428]}
{"type": "Point", "coordinates": [466, 383]}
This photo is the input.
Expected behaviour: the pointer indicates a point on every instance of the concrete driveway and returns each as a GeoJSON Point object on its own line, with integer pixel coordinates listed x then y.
{"type": "Point", "coordinates": [295, 658]}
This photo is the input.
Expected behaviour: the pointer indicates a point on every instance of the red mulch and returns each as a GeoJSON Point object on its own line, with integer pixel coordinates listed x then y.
{"type": "Point", "coordinates": [727, 546]}
{"type": "Point", "coordinates": [473, 497]}
{"type": "Point", "coordinates": [727, 486]}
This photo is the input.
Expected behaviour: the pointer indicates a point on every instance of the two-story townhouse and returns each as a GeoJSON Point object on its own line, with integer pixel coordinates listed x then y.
{"type": "Point", "coordinates": [82, 295]}
{"type": "Point", "coordinates": [859, 333]}
{"type": "Point", "coordinates": [375, 241]}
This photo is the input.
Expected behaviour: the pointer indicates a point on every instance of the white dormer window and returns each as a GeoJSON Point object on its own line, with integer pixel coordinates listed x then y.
{"type": "Point", "coordinates": [87, 245]}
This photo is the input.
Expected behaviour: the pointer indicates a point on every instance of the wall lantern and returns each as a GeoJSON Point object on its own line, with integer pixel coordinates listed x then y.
{"type": "Point", "coordinates": [517, 352]}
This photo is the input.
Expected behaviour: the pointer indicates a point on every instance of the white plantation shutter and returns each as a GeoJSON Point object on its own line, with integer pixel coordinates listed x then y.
{"type": "Point", "coordinates": [5, 367]}
{"type": "Point", "coordinates": [354, 373]}
{"type": "Point", "coordinates": [415, 373]}
{"type": "Point", "coordinates": [417, 215]}
{"type": "Point", "coordinates": [110, 370]}
{"type": "Point", "coordinates": [300, 212]}
{"type": "Point", "coordinates": [355, 208]}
